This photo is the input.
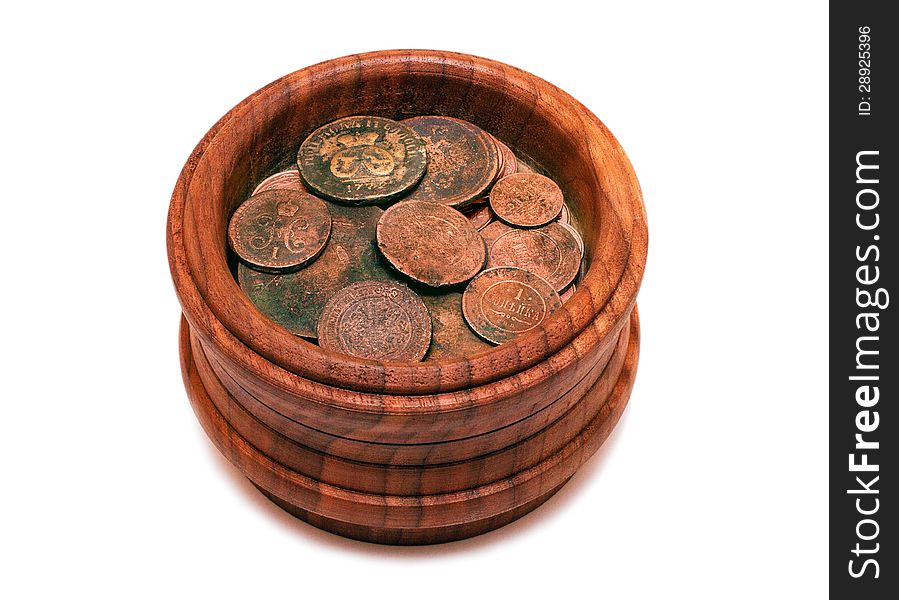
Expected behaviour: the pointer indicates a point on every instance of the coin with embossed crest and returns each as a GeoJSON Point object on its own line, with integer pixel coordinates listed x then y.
{"type": "Point", "coordinates": [279, 230]}
{"type": "Point", "coordinates": [362, 160]}
{"type": "Point", "coordinates": [378, 320]}
{"type": "Point", "coordinates": [295, 300]}
{"type": "Point", "coordinates": [551, 251]}
{"type": "Point", "coordinates": [430, 243]}
{"type": "Point", "coordinates": [288, 179]}
{"type": "Point", "coordinates": [462, 160]}
{"type": "Point", "coordinates": [526, 199]}
{"type": "Point", "coordinates": [504, 302]}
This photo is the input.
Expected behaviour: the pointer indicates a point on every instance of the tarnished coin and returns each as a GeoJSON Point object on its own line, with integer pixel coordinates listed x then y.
{"type": "Point", "coordinates": [522, 167]}
{"type": "Point", "coordinates": [551, 251]}
{"type": "Point", "coordinates": [575, 233]}
{"type": "Point", "coordinates": [462, 160]}
{"type": "Point", "coordinates": [526, 199]}
{"type": "Point", "coordinates": [295, 300]}
{"type": "Point", "coordinates": [379, 320]}
{"type": "Point", "coordinates": [451, 337]}
{"type": "Point", "coordinates": [509, 164]}
{"type": "Point", "coordinates": [279, 230]}
{"type": "Point", "coordinates": [362, 160]}
{"type": "Point", "coordinates": [283, 180]}
{"type": "Point", "coordinates": [479, 214]}
{"type": "Point", "coordinates": [565, 215]}
{"type": "Point", "coordinates": [430, 243]}
{"type": "Point", "coordinates": [568, 293]}
{"type": "Point", "coordinates": [503, 302]}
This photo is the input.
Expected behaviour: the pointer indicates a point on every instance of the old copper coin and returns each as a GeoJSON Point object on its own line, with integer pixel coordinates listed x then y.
{"type": "Point", "coordinates": [295, 300]}
{"type": "Point", "coordinates": [503, 302]}
{"type": "Point", "coordinates": [509, 164]}
{"type": "Point", "coordinates": [522, 167]}
{"type": "Point", "coordinates": [575, 233]}
{"type": "Point", "coordinates": [551, 251]}
{"type": "Point", "coordinates": [568, 293]}
{"type": "Point", "coordinates": [379, 320]}
{"type": "Point", "coordinates": [284, 180]}
{"type": "Point", "coordinates": [479, 214]}
{"type": "Point", "coordinates": [451, 337]}
{"type": "Point", "coordinates": [430, 243]}
{"type": "Point", "coordinates": [462, 160]}
{"type": "Point", "coordinates": [362, 160]}
{"type": "Point", "coordinates": [565, 215]}
{"type": "Point", "coordinates": [526, 199]}
{"type": "Point", "coordinates": [279, 230]}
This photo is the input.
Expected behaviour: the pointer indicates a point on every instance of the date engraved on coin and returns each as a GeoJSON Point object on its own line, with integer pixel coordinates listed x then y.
{"type": "Point", "coordinates": [376, 320]}
{"type": "Point", "coordinates": [463, 160]}
{"type": "Point", "coordinates": [503, 302]}
{"type": "Point", "coordinates": [552, 251]}
{"type": "Point", "coordinates": [430, 243]}
{"type": "Point", "coordinates": [279, 230]}
{"type": "Point", "coordinates": [362, 160]}
{"type": "Point", "coordinates": [526, 199]}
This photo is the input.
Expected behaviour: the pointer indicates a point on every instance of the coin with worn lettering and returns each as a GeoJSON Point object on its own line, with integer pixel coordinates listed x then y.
{"type": "Point", "coordinates": [279, 230]}
{"type": "Point", "coordinates": [479, 214]}
{"type": "Point", "coordinates": [430, 243]}
{"type": "Point", "coordinates": [503, 302]}
{"type": "Point", "coordinates": [362, 160]}
{"type": "Point", "coordinates": [462, 160]}
{"type": "Point", "coordinates": [378, 320]}
{"type": "Point", "coordinates": [526, 199]}
{"type": "Point", "coordinates": [451, 337]}
{"type": "Point", "coordinates": [295, 300]}
{"type": "Point", "coordinates": [284, 180]}
{"type": "Point", "coordinates": [551, 251]}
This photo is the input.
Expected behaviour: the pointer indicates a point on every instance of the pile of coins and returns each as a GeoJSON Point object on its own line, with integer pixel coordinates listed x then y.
{"type": "Point", "coordinates": [475, 247]}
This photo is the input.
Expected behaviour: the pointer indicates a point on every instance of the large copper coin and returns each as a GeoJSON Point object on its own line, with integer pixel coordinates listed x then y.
{"type": "Point", "coordinates": [379, 320]}
{"type": "Point", "coordinates": [479, 214]}
{"type": "Point", "coordinates": [526, 199]}
{"type": "Point", "coordinates": [295, 300]}
{"type": "Point", "coordinates": [284, 180]}
{"type": "Point", "coordinates": [279, 230]}
{"type": "Point", "coordinates": [462, 160]}
{"type": "Point", "coordinates": [430, 243]}
{"type": "Point", "coordinates": [503, 302]}
{"type": "Point", "coordinates": [451, 337]}
{"type": "Point", "coordinates": [551, 251]}
{"type": "Point", "coordinates": [362, 160]}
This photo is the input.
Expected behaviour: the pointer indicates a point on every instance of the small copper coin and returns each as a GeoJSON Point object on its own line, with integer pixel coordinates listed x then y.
{"type": "Point", "coordinates": [526, 199]}
{"type": "Point", "coordinates": [362, 160]}
{"type": "Point", "coordinates": [463, 160]}
{"type": "Point", "coordinates": [295, 300]}
{"type": "Point", "coordinates": [283, 180]}
{"type": "Point", "coordinates": [279, 230]}
{"type": "Point", "coordinates": [479, 214]}
{"type": "Point", "coordinates": [451, 337]}
{"type": "Point", "coordinates": [378, 320]}
{"type": "Point", "coordinates": [551, 251]}
{"type": "Point", "coordinates": [430, 243]}
{"type": "Point", "coordinates": [509, 164]}
{"type": "Point", "coordinates": [503, 302]}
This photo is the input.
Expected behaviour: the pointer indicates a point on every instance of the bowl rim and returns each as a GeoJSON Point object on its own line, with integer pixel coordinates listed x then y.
{"type": "Point", "coordinates": [611, 282]}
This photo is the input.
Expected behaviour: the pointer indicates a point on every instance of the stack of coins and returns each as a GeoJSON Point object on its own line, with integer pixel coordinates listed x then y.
{"type": "Point", "coordinates": [406, 240]}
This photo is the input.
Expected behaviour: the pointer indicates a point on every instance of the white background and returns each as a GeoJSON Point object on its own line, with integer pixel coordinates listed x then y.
{"type": "Point", "coordinates": [714, 483]}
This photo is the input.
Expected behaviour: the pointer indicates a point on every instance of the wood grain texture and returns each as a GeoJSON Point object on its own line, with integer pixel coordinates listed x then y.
{"type": "Point", "coordinates": [421, 519]}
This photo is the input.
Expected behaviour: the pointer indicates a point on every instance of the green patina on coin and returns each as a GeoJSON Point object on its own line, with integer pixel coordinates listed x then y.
{"type": "Point", "coordinates": [362, 160]}
{"type": "Point", "coordinates": [295, 300]}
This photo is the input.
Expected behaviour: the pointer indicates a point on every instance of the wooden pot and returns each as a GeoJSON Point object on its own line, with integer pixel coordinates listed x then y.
{"type": "Point", "coordinates": [408, 430]}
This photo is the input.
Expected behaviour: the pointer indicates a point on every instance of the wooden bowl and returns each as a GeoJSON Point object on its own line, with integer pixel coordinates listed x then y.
{"type": "Point", "coordinates": [322, 413]}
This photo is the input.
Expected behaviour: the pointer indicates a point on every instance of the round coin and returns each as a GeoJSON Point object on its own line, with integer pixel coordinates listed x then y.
{"type": "Point", "coordinates": [362, 160]}
{"type": "Point", "coordinates": [551, 251]}
{"type": "Point", "coordinates": [503, 302]}
{"type": "Point", "coordinates": [526, 199]}
{"type": "Point", "coordinates": [463, 160]}
{"type": "Point", "coordinates": [279, 230]}
{"type": "Point", "coordinates": [284, 180]}
{"type": "Point", "coordinates": [430, 243]}
{"type": "Point", "coordinates": [451, 337]}
{"type": "Point", "coordinates": [575, 233]}
{"type": "Point", "coordinates": [479, 214]}
{"type": "Point", "coordinates": [378, 320]}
